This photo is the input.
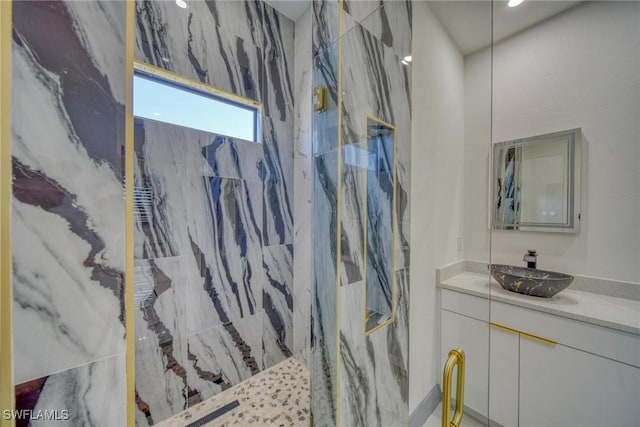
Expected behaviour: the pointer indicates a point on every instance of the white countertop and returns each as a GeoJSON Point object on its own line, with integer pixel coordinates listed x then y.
{"type": "Point", "coordinates": [616, 313]}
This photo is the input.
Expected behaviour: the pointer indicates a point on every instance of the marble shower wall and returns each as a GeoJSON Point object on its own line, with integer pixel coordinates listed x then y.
{"type": "Point", "coordinates": [302, 190]}
{"type": "Point", "coordinates": [214, 222]}
{"type": "Point", "coordinates": [364, 377]}
{"type": "Point", "coordinates": [68, 210]}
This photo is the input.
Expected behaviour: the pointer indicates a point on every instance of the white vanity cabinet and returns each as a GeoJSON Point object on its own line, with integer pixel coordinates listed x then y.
{"type": "Point", "coordinates": [504, 362]}
{"type": "Point", "coordinates": [472, 336]}
{"type": "Point", "coordinates": [464, 324]}
{"type": "Point", "coordinates": [532, 369]}
{"type": "Point", "coordinates": [562, 386]}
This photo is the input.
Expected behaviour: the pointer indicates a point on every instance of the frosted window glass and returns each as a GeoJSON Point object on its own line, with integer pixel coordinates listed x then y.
{"type": "Point", "coordinates": [166, 102]}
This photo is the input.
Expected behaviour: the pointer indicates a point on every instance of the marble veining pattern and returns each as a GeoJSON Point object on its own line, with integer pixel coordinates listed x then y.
{"type": "Point", "coordinates": [391, 23]}
{"type": "Point", "coordinates": [302, 190]}
{"type": "Point", "coordinates": [220, 205]}
{"type": "Point", "coordinates": [325, 26]}
{"type": "Point", "coordinates": [353, 198]}
{"type": "Point", "coordinates": [94, 394]}
{"type": "Point", "coordinates": [198, 211]}
{"type": "Point", "coordinates": [385, 94]}
{"type": "Point", "coordinates": [215, 42]}
{"type": "Point", "coordinates": [161, 338]}
{"type": "Point", "coordinates": [201, 307]}
{"type": "Point", "coordinates": [199, 282]}
{"type": "Point", "coordinates": [278, 303]}
{"type": "Point", "coordinates": [278, 47]}
{"type": "Point", "coordinates": [324, 341]}
{"type": "Point", "coordinates": [225, 200]}
{"type": "Point", "coordinates": [225, 355]}
{"type": "Point", "coordinates": [277, 182]}
{"type": "Point", "coordinates": [380, 226]}
{"type": "Point", "coordinates": [278, 65]}
{"type": "Point", "coordinates": [373, 370]}
{"type": "Point", "coordinates": [68, 237]}
{"type": "Point", "coordinates": [324, 135]}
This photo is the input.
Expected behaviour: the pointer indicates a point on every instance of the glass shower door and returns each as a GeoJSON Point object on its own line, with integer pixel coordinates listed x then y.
{"type": "Point", "coordinates": [452, 140]}
{"type": "Point", "coordinates": [361, 158]}
{"type": "Point", "coordinates": [571, 359]}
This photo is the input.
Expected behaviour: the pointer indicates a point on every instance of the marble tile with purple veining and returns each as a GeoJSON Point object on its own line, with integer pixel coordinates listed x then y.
{"type": "Point", "coordinates": [68, 209]}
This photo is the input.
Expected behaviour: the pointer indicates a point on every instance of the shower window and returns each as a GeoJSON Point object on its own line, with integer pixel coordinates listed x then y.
{"type": "Point", "coordinates": [167, 97]}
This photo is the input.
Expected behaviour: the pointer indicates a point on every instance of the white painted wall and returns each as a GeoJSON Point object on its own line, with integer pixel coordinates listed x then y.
{"type": "Point", "coordinates": [437, 149]}
{"type": "Point", "coordinates": [578, 69]}
{"type": "Point", "coordinates": [477, 143]}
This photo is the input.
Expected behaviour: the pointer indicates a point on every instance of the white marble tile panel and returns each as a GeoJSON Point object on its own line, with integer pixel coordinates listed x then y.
{"type": "Point", "coordinates": [278, 182]}
{"type": "Point", "coordinates": [302, 189]}
{"type": "Point", "coordinates": [390, 22]}
{"type": "Point", "coordinates": [226, 263]}
{"type": "Point", "coordinates": [277, 304]}
{"type": "Point", "coordinates": [374, 369]}
{"type": "Point", "coordinates": [278, 65]}
{"type": "Point", "coordinates": [233, 351]}
{"type": "Point", "coordinates": [161, 336]}
{"type": "Point", "coordinates": [218, 43]}
{"type": "Point", "coordinates": [93, 394]}
{"type": "Point", "coordinates": [324, 340]}
{"type": "Point", "coordinates": [325, 24]}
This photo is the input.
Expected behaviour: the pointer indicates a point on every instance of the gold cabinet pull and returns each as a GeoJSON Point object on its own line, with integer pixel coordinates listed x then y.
{"type": "Point", "coordinates": [456, 358]}
{"type": "Point", "coordinates": [538, 339]}
{"type": "Point", "coordinates": [523, 334]}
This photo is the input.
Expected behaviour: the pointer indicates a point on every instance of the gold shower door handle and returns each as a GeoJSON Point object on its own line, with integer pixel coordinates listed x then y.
{"type": "Point", "coordinates": [456, 358]}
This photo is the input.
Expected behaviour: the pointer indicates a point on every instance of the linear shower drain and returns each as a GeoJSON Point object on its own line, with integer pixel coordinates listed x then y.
{"type": "Point", "coordinates": [215, 414]}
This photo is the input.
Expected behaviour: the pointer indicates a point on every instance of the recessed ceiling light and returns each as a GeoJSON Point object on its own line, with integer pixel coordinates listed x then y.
{"type": "Point", "coordinates": [181, 3]}
{"type": "Point", "coordinates": [408, 58]}
{"type": "Point", "coordinates": [514, 3]}
{"type": "Point", "coordinates": [156, 114]}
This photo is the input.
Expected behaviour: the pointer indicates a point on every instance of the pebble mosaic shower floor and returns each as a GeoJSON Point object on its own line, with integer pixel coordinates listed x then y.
{"type": "Point", "coordinates": [279, 396]}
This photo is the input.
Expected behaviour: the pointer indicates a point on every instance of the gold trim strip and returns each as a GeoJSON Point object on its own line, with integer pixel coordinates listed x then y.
{"type": "Point", "coordinates": [380, 326]}
{"type": "Point", "coordinates": [129, 226]}
{"type": "Point", "coordinates": [524, 334]}
{"type": "Point", "coordinates": [365, 251]}
{"type": "Point", "coordinates": [382, 122]}
{"type": "Point", "coordinates": [7, 395]}
{"type": "Point", "coordinates": [538, 339]}
{"type": "Point", "coordinates": [394, 233]}
{"type": "Point", "coordinates": [181, 80]}
{"type": "Point", "coordinates": [504, 328]}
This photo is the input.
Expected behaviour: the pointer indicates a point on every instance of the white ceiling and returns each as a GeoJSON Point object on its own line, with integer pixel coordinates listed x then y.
{"type": "Point", "coordinates": [469, 22]}
{"type": "Point", "coordinates": [292, 9]}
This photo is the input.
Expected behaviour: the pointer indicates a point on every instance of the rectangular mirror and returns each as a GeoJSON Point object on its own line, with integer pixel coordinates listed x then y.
{"type": "Point", "coordinates": [536, 183]}
{"type": "Point", "coordinates": [380, 219]}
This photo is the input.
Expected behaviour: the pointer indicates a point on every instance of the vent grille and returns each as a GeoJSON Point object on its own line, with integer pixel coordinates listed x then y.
{"type": "Point", "coordinates": [143, 284]}
{"type": "Point", "coordinates": [142, 204]}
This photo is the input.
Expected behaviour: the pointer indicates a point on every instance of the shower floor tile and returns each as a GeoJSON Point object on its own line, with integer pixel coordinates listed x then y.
{"type": "Point", "coordinates": [278, 396]}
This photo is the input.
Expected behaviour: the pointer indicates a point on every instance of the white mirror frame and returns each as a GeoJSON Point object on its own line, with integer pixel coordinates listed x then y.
{"type": "Point", "coordinates": [574, 179]}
